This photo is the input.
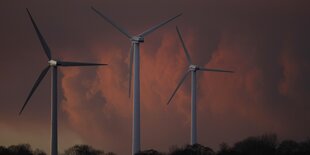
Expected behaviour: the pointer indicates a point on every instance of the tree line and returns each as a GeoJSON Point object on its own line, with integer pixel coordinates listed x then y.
{"type": "Point", "coordinates": [266, 144]}
{"type": "Point", "coordinates": [25, 149]}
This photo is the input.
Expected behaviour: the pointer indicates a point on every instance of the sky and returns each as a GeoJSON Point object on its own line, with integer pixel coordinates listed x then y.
{"type": "Point", "coordinates": [266, 43]}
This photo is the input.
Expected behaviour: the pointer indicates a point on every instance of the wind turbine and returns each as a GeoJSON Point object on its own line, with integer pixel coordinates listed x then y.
{"type": "Point", "coordinates": [192, 69]}
{"type": "Point", "coordinates": [53, 64]}
{"type": "Point", "coordinates": [135, 56]}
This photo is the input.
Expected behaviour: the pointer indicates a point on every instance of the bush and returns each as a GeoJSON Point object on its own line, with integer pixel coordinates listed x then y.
{"type": "Point", "coordinates": [149, 152]}
{"type": "Point", "coordinates": [195, 149]}
{"type": "Point", "coordinates": [263, 145]}
{"type": "Point", "coordinates": [82, 150]}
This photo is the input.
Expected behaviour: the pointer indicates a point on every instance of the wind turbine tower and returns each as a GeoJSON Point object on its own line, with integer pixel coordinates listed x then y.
{"type": "Point", "coordinates": [53, 64]}
{"type": "Point", "coordinates": [135, 59]}
{"type": "Point", "coordinates": [192, 68]}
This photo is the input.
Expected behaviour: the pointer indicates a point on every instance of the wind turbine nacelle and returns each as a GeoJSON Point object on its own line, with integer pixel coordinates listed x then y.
{"type": "Point", "coordinates": [137, 39]}
{"type": "Point", "coordinates": [52, 63]}
{"type": "Point", "coordinates": [193, 67]}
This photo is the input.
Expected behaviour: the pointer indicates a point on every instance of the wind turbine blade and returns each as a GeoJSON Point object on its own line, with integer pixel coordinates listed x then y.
{"type": "Point", "coordinates": [113, 23]}
{"type": "Point", "coordinates": [41, 38]}
{"type": "Point", "coordinates": [70, 64]}
{"type": "Point", "coordinates": [36, 84]}
{"type": "Point", "coordinates": [130, 68]}
{"type": "Point", "coordinates": [214, 70]}
{"type": "Point", "coordinates": [158, 26]}
{"type": "Point", "coordinates": [184, 47]}
{"type": "Point", "coordinates": [178, 86]}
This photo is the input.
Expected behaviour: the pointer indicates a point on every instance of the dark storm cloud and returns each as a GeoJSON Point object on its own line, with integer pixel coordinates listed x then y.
{"type": "Point", "coordinates": [265, 42]}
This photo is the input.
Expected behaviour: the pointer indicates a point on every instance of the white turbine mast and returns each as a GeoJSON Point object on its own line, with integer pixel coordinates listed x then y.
{"type": "Point", "coordinates": [53, 64]}
{"type": "Point", "coordinates": [135, 61]}
{"type": "Point", "coordinates": [192, 68]}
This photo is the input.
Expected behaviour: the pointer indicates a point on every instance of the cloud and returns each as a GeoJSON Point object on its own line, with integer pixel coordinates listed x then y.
{"type": "Point", "coordinates": [265, 43]}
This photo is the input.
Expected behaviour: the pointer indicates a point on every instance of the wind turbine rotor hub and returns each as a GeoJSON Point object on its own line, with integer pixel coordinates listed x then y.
{"type": "Point", "coordinates": [52, 63]}
{"type": "Point", "coordinates": [137, 39]}
{"type": "Point", "coordinates": [193, 67]}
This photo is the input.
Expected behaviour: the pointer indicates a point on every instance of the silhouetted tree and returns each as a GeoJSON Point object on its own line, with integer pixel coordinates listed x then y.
{"type": "Point", "coordinates": [149, 152]}
{"type": "Point", "coordinates": [288, 147]}
{"type": "Point", "coordinates": [4, 150]}
{"type": "Point", "coordinates": [263, 145]}
{"type": "Point", "coordinates": [83, 150]}
{"type": "Point", "coordinates": [21, 149]}
{"type": "Point", "coordinates": [176, 151]}
{"type": "Point", "coordinates": [304, 147]}
{"type": "Point", "coordinates": [38, 152]}
{"type": "Point", "coordinates": [226, 150]}
{"type": "Point", "coordinates": [195, 149]}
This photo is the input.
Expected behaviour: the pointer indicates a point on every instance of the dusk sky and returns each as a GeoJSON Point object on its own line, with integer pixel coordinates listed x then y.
{"type": "Point", "coordinates": [266, 43]}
